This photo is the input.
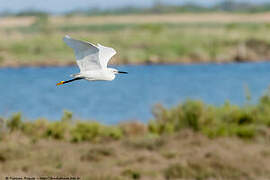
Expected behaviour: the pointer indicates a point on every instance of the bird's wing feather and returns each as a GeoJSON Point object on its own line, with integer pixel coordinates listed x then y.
{"type": "Point", "coordinates": [87, 54]}
{"type": "Point", "coordinates": [105, 54]}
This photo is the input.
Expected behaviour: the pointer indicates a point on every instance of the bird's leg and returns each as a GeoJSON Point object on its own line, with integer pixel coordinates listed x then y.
{"type": "Point", "coordinates": [64, 82]}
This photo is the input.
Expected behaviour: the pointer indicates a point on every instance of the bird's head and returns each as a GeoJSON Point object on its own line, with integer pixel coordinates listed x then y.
{"type": "Point", "coordinates": [115, 71]}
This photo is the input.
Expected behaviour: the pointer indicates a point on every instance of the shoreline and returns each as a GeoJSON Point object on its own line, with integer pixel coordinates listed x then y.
{"type": "Point", "coordinates": [71, 64]}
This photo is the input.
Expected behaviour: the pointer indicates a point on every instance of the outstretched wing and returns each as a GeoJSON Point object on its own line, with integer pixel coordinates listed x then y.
{"type": "Point", "coordinates": [87, 54]}
{"type": "Point", "coordinates": [105, 54]}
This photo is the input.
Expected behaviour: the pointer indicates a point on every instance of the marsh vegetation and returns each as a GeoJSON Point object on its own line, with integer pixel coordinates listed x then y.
{"type": "Point", "coordinates": [168, 38]}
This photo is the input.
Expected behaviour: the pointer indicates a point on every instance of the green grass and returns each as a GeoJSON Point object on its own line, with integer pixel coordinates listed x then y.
{"type": "Point", "coordinates": [41, 43]}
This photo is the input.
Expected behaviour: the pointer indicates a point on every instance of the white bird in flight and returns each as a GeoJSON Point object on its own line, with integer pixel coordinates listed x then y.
{"type": "Point", "coordinates": [92, 61]}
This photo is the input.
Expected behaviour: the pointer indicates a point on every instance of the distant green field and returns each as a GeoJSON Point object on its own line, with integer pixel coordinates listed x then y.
{"type": "Point", "coordinates": [40, 43]}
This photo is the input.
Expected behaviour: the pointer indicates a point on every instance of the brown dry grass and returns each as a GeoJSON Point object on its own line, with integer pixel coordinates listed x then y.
{"type": "Point", "coordinates": [13, 21]}
{"type": "Point", "coordinates": [167, 18]}
{"type": "Point", "coordinates": [186, 155]}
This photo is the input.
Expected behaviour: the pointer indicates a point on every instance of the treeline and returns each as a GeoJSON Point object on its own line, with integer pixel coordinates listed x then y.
{"type": "Point", "coordinates": [160, 8]}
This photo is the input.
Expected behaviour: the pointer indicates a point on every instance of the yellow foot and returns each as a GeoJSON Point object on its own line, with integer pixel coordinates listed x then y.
{"type": "Point", "coordinates": [62, 82]}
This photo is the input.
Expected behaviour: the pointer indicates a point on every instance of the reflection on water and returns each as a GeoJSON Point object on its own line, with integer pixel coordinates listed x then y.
{"type": "Point", "coordinates": [129, 97]}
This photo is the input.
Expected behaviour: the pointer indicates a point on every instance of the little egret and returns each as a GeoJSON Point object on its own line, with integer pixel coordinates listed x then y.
{"type": "Point", "coordinates": [92, 61]}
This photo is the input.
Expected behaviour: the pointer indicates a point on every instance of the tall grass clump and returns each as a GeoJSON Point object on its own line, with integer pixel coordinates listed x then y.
{"type": "Point", "coordinates": [15, 122]}
{"type": "Point", "coordinates": [94, 132]}
{"type": "Point", "coordinates": [191, 114]}
{"type": "Point", "coordinates": [245, 121]}
{"type": "Point", "coordinates": [36, 129]}
{"type": "Point", "coordinates": [57, 130]}
{"type": "Point", "coordinates": [84, 131]}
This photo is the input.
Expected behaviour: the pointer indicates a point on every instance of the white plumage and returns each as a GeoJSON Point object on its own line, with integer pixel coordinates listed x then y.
{"type": "Point", "coordinates": [92, 61]}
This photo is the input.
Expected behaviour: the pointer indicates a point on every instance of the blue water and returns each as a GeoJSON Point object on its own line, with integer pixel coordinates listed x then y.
{"type": "Point", "coordinates": [33, 92]}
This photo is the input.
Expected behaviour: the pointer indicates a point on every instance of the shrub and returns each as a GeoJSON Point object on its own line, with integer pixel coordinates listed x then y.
{"type": "Point", "coordinates": [192, 115]}
{"type": "Point", "coordinates": [2, 128]}
{"type": "Point", "coordinates": [133, 174]}
{"type": "Point", "coordinates": [213, 121]}
{"type": "Point", "coordinates": [85, 131]}
{"type": "Point", "coordinates": [56, 130]}
{"type": "Point", "coordinates": [15, 122]}
{"type": "Point", "coordinates": [114, 132]}
{"type": "Point", "coordinates": [36, 128]}
{"type": "Point", "coordinates": [247, 131]}
{"type": "Point", "coordinates": [67, 116]}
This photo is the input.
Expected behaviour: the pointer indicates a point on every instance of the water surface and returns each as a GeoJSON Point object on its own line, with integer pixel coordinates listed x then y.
{"type": "Point", "coordinates": [33, 92]}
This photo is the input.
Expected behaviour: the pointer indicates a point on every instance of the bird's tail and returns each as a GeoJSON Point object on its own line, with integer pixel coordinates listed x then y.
{"type": "Point", "coordinates": [75, 75]}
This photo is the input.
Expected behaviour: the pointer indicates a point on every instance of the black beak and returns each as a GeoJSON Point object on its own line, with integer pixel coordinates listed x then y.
{"type": "Point", "coordinates": [123, 72]}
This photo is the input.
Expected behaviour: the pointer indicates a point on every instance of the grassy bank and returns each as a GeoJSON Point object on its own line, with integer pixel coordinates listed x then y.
{"type": "Point", "coordinates": [185, 38]}
{"type": "Point", "coordinates": [191, 141]}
